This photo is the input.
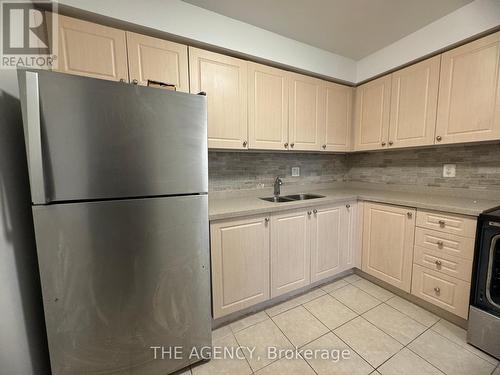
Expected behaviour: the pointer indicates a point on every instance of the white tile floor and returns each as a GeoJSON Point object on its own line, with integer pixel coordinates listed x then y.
{"type": "Point", "coordinates": [384, 334]}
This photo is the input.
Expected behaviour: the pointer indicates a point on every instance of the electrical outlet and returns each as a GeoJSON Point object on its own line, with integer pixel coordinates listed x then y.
{"type": "Point", "coordinates": [449, 170]}
{"type": "Point", "coordinates": [295, 171]}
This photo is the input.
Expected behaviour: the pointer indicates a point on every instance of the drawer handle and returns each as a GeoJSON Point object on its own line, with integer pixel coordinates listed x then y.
{"type": "Point", "coordinates": [438, 263]}
{"type": "Point", "coordinates": [440, 244]}
{"type": "Point", "coordinates": [442, 223]}
{"type": "Point", "coordinates": [437, 290]}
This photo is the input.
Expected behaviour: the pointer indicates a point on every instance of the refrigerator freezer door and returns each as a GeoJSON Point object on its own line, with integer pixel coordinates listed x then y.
{"type": "Point", "coordinates": [120, 277]}
{"type": "Point", "coordinates": [90, 139]}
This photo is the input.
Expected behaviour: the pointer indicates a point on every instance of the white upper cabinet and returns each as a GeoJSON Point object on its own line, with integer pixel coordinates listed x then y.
{"type": "Point", "coordinates": [414, 98]}
{"type": "Point", "coordinates": [307, 112]}
{"type": "Point", "coordinates": [224, 79]}
{"type": "Point", "coordinates": [91, 50]}
{"type": "Point", "coordinates": [267, 107]}
{"type": "Point", "coordinates": [153, 59]}
{"type": "Point", "coordinates": [336, 133]}
{"type": "Point", "coordinates": [371, 116]}
{"type": "Point", "coordinates": [469, 100]}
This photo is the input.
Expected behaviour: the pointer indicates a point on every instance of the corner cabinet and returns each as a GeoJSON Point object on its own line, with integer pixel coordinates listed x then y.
{"type": "Point", "coordinates": [371, 114]}
{"type": "Point", "coordinates": [158, 60]}
{"type": "Point", "coordinates": [336, 135]}
{"type": "Point", "coordinates": [388, 234]}
{"type": "Point", "coordinates": [469, 92]}
{"type": "Point", "coordinates": [414, 96]}
{"type": "Point", "coordinates": [306, 112]}
{"type": "Point", "coordinates": [332, 234]}
{"type": "Point", "coordinates": [91, 50]}
{"type": "Point", "coordinates": [240, 263]}
{"type": "Point", "coordinates": [224, 79]}
{"type": "Point", "coordinates": [267, 107]}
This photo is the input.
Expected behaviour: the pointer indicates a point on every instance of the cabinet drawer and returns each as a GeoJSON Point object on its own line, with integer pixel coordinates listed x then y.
{"type": "Point", "coordinates": [446, 292]}
{"type": "Point", "coordinates": [455, 224]}
{"type": "Point", "coordinates": [445, 243]}
{"type": "Point", "coordinates": [447, 264]}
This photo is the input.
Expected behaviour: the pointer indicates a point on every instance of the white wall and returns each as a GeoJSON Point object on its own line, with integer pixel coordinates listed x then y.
{"type": "Point", "coordinates": [186, 20]}
{"type": "Point", "coordinates": [470, 20]}
{"type": "Point", "coordinates": [23, 349]}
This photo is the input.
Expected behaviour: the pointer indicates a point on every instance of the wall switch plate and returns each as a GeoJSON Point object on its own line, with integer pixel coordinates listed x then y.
{"type": "Point", "coordinates": [449, 170]}
{"type": "Point", "coordinates": [295, 171]}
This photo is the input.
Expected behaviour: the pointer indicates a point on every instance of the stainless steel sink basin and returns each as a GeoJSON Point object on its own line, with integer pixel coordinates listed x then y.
{"type": "Point", "coordinates": [291, 198]}
{"type": "Point", "coordinates": [277, 199]}
{"type": "Point", "coordinates": [302, 197]}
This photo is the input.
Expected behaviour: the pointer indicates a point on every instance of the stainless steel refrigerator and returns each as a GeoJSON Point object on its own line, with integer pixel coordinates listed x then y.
{"type": "Point", "coordinates": [119, 183]}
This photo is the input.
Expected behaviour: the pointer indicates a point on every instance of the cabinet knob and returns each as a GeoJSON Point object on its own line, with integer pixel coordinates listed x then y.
{"type": "Point", "coordinates": [135, 82]}
{"type": "Point", "coordinates": [324, 147]}
{"type": "Point", "coordinates": [266, 220]}
{"type": "Point", "coordinates": [440, 243]}
{"type": "Point", "coordinates": [437, 290]}
{"type": "Point", "coordinates": [286, 145]}
{"type": "Point", "coordinates": [442, 223]}
{"type": "Point", "coordinates": [383, 143]}
{"type": "Point", "coordinates": [409, 214]}
{"type": "Point", "coordinates": [439, 138]}
{"type": "Point", "coordinates": [292, 144]}
{"type": "Point", "coordinates": [438, 263]}
{"type": "Point", "coordinates": [347, 206]}
{"type": "Point", "coordinates": [391, 143]}
{"type": "Point", "coordinates": [309, 213]}
{"type": "Point", "coordinates": [315, 211]}
{"type": "Point", "coordinates": [245, 143]}
{"type": "Point", "coordinates": [122, 80]}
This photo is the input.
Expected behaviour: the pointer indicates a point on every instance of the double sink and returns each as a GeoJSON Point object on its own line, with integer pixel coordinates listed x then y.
{"type": "Point", "coordinates": [291, 198]}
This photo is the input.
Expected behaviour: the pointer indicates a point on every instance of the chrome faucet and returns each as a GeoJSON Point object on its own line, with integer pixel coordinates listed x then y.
{"type": "Point", "coordinates": [277, 184]}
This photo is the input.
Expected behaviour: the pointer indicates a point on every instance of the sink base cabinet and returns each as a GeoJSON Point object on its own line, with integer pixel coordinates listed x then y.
{"type": "Point", "coordinates": [240, 264]}
{"type": "Point", "coordinates": [261, 257]}
{"type": "Point", "coordinates": [290, 252]}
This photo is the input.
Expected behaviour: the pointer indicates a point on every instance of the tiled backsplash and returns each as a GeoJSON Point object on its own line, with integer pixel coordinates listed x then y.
{"type": "Point", "coordinates": [246, 170]}
{"type": "Point", "coordinates": [478, 167]}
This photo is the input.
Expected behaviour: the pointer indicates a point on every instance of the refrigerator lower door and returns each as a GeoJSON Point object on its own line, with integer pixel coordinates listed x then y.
{"type": "Point", "coordinates": [122, 277]}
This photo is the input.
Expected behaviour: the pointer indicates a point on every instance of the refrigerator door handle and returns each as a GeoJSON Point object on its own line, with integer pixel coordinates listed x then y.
{"type": "Point", "coordinates": [35, 161]}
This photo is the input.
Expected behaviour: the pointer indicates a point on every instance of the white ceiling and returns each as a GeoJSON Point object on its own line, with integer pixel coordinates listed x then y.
{"type": "Point", "coordinates": [351, 28]}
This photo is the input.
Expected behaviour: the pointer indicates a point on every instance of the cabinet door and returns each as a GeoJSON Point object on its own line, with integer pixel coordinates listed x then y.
{"type": "Point", "coordinates": [351, 230]}
{"type": "Point", "coordinates": [371, 116]}
{"type": "Point", "coordinates": [153, 59]}
{"type": "Point", "coordinates": [329, 235]}
{"type": "Point", "coordinates": [336, 135]}
{"type": "Point", "coordinates": [307, 112]}
{"type": "Point", "coordinates": [290, 252]}
{"type": "Point", "coordinates": [240, 264]}
{"type": "Point", "coordinates": [91, 50]}
{"type": "Point", "coordinates": [414, 104]}
{"type": "Point", "coordinates": [469, 100]}
{"type": "Point", "coordinates": [267, 107]}
{"type": "Point", "coordinates": [224, 79]}
{"type": "Point", "coordinates": [388, 233]}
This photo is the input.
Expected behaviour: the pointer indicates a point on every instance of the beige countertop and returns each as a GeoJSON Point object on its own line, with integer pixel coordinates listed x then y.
{"type": "Point", "coordinates": [234, 204]}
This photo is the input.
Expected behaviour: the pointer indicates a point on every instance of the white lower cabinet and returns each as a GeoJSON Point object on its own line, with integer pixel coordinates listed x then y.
{"type": "Point", "coordinates": [290, 251]}
{"type": "Point", "coordinates": [240, 263]}
{"type": "Point", "coordinates": [261, 257]}
{"type": "Point", "coordinates": [388, 233]}
{"type": "Point", "coordinates": [332, 233]}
